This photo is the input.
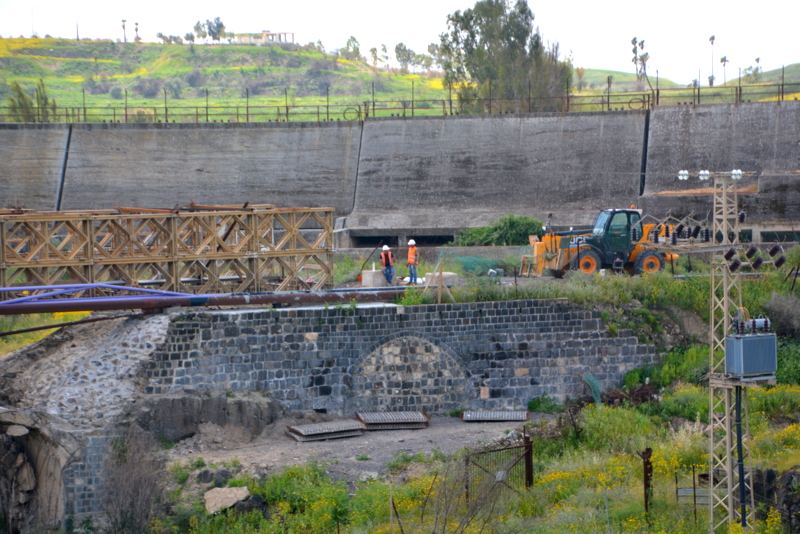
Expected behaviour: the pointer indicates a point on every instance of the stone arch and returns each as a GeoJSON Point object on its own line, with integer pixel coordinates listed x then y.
{"type": "Point", "coordinates": [407, 371]}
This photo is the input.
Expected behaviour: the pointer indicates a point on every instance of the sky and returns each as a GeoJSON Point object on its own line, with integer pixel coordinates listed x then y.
{"type": "Point", "coordinates": [596, 34]}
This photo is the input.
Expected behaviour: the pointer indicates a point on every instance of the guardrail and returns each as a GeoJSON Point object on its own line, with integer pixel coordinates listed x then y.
{"type": "Point", "coordinates": [247, 113]}
{"type": "Point", "coordinates": [198, 249]}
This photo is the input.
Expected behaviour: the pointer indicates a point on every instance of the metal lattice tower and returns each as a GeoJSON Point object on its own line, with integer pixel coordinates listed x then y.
{"type": "Point", "coordinates": [726, 298]}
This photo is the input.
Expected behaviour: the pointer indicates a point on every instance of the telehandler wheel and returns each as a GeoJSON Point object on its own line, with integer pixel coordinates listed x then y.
{"type": "Point", "coordinates": [648, 261]}
{"type": "Point", "coordinates": [587, 262]}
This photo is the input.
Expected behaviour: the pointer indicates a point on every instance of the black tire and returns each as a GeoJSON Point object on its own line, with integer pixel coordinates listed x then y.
{"type": "Point", "coordinates": [648, 261]}
{"type": "Point", "coordinates": [587, 262]}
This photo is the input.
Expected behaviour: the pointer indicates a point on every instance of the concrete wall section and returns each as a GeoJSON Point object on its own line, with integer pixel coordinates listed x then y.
{"type": "Point", "coordinates": [289, 165]}
{"type": "Point", "coordinates": [31, 157]}
{"type": "Point", "coordinates": [762, 138]}
{"type": "Point", "coordinates": [466, 171]}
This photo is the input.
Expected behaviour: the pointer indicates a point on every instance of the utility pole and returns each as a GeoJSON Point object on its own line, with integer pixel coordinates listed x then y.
{"type": "Point", "coordinates": [729, 483]}
{"type": "Point", "coordinates": [124, 35]}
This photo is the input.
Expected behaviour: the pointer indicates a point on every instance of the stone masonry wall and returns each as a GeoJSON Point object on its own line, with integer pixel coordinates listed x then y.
{"type": "Point", "coordinates": [430, 357]}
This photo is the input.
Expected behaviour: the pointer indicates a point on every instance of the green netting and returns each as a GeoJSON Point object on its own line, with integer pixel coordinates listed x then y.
{"type": "Point", "coordinates": [476, 265]}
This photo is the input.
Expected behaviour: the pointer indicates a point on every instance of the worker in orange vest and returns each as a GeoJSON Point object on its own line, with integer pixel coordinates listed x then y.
{"type": "Point", "coordinates": [413, 261]}
{"type": "Point", "coordinates": [387, 264]}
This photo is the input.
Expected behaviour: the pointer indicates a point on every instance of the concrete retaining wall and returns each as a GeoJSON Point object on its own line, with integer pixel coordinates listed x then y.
{"type": "Point", "coordinates": [289, 165]}
{"type": "Point", "coordinates": [422, 176]}
{"type": "Point", "coordinates": [433, 174]}
{"type": "Point", "coordinates": [31, 156]}
{"type": "Point", "coordinates": [762, 138]}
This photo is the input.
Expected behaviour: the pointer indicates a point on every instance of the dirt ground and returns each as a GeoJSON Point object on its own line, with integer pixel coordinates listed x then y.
{"type": "Point", "coordinates": [273, 449]}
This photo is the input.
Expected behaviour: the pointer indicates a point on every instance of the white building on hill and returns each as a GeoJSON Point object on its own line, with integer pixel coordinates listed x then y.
{"type": "Point", "coordinates": [265, 37]}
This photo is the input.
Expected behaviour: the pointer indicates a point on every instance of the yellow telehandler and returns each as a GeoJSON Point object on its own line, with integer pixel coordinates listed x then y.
{"type": "Point", "coordinates": [618, 241]}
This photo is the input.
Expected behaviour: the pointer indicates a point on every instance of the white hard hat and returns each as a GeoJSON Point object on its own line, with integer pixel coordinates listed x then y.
{"type": "Point", "coordinates": [412, 242]}
{"type": "Point", "coordinates": [385, 247]}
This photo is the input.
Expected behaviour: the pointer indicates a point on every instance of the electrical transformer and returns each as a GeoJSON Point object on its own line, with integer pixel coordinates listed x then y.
{"type": "Point", "coordinates": [751, 355]}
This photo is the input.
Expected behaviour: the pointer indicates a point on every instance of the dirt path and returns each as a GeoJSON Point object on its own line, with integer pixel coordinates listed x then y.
{"type": "Point", "coordinates": [273, 450]}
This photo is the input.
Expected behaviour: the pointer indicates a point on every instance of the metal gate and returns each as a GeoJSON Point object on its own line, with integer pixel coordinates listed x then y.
{"type": "Point", "coordinates": [505, 468]}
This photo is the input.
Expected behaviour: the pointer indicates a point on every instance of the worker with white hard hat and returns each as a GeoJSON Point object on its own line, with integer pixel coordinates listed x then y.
{"type": "Point", "coordinates": [387, 264]}
{"type": "Point", "coordinates": [413, 261]}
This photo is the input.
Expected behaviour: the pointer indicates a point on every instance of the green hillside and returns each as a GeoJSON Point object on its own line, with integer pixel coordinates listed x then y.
{"type": "Point", "coordinates": [270, 75]}
{"type": "Point", "coordinates": [106, 74]}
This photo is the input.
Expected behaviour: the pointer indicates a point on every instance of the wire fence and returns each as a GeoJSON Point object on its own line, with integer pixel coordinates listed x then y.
{"type": "Point", "coordinates": [452, 105]}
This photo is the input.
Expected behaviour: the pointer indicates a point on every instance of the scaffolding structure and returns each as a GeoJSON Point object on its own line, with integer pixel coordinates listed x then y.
{"type": "Point", "coordinates": [194, 249]}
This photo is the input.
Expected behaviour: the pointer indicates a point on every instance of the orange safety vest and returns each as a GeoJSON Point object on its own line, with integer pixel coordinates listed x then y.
{"type": "Point", "coordinates": [387, 257]}
{"type": "Point", "coordinates": [413, 256]}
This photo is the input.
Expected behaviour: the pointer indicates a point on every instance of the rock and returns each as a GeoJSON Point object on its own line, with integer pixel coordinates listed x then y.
{"type": "Point", "coordinates": [367, 475]}
{"type": "Point", "coordinates": [221, 477]}
{"type": "Point", "coordinates": [17, 431]}
{"type": "Point", "coordinates": [26, 478]}
{"type": "Point", "coordinates": [205, 476]}
{"type": "Point", "coordinates": [254, 502]}
{"type": "Point", "coordinates": [222, 498]}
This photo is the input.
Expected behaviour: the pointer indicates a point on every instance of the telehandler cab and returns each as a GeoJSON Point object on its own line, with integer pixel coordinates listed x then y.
{"type": "Point", "coordinates": [618, 241]}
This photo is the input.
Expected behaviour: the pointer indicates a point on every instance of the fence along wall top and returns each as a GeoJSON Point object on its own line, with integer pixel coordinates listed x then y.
{"type": "Point", "coordinates": [125, 212]}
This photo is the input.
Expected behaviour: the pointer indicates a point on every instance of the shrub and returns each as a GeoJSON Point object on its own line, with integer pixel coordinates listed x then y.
{"type": "Point", "coordinates": [133, 474]}
{"type": "Point", "coordinates": [788, 361]}
{"type": "Point", "coordinates": [777, 403]}
{"type": "Point", "coordinates": [616, 429]}
{"type": "Point", "coordinates": [544, 404]}
{"type": "Point", "coordinates": [687, 401]}
{"type": "Point", "coordinates": [506, 231]}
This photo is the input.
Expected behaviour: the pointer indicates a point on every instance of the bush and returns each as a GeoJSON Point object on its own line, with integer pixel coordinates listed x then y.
{"type": "Point", "coordinates": [545, 404]}
{"type": "Point", "coordinates": [616, 429]}
{"type": "Point", "coordinates": [687, 401]}
{"type": "Point", "coordinates": [784, 312]}
{"type": "Point", "coordinates": [681, 364]}
{"type": "Point", "coordinates": [788, 361]}
{"type": "Point", "coordinates": [506, 231]}
{"type": "Point", "coordinates": [116, 93]}
{"type": "Point", "coordinates": [777, 403]}
{"type": "Point", "coordinates": [133, 473]}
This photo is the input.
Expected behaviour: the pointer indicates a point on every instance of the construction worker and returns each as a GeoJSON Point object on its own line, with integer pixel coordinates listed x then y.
{"type": "Point", "coordinates": [387, 264]}
{"type": "Point", "coordinates": [413, 261]}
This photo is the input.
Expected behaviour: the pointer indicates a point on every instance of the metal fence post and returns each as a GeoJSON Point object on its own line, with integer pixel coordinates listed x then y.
{"type": "Point", "coordinates": [466, 478]}
{"type": "Point", "coordinates": [526, 440]}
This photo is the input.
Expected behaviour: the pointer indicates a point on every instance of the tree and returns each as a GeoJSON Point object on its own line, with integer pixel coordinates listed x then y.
{"type": "Point", "coordinates": [200, 30]}
{"type": "Point", "coordinates": [373, 53]}
{"type": "Point", "coordinates": [351, 50]}
{"type": "Point", "coordinates": [20, 105]}
{"type": "Point", "coordinates": [752, 73]}
{"type": "Point", "coordinates": [163, 37]}
{"type": "Point", "coordinates": [579, 73]}
{"type": "Point", "coordinates": [640, 61]}
{"type": "Point", "coordinates": [189, 37]}
{"type": "Point", "coordinates": [404, 55]}
{"type": "Point", "coordinates": [724, 61]}
{"type": "Point", "coordinates": [215, 29]}
{"type": "Point", "coordinates": [436, 55]}
{"type": "Point", "coordinates": [494, 48]}
{"type": "Point", "coordinates": [384, 56]}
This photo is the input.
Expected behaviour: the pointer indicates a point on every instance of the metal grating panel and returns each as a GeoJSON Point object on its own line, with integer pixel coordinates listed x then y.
{"type": "Point", "coordinates": [371, 418]}
{"type": "Point", "coordinates": [325, 428]}
{"type": "Point", "coordinates": [396, 426]}
{"type": "Point", "coordinates": [495, 415]}
{"type": "Point", "coordinates": [328, 435]}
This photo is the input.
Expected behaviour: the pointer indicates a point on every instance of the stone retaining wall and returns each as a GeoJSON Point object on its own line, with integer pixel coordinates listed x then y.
{"type": "Point", "coordinates": [431, 357]}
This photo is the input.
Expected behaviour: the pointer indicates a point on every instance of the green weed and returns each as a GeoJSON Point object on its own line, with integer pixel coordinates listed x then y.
{"type": "Point", "coordinates": [545, 404]}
